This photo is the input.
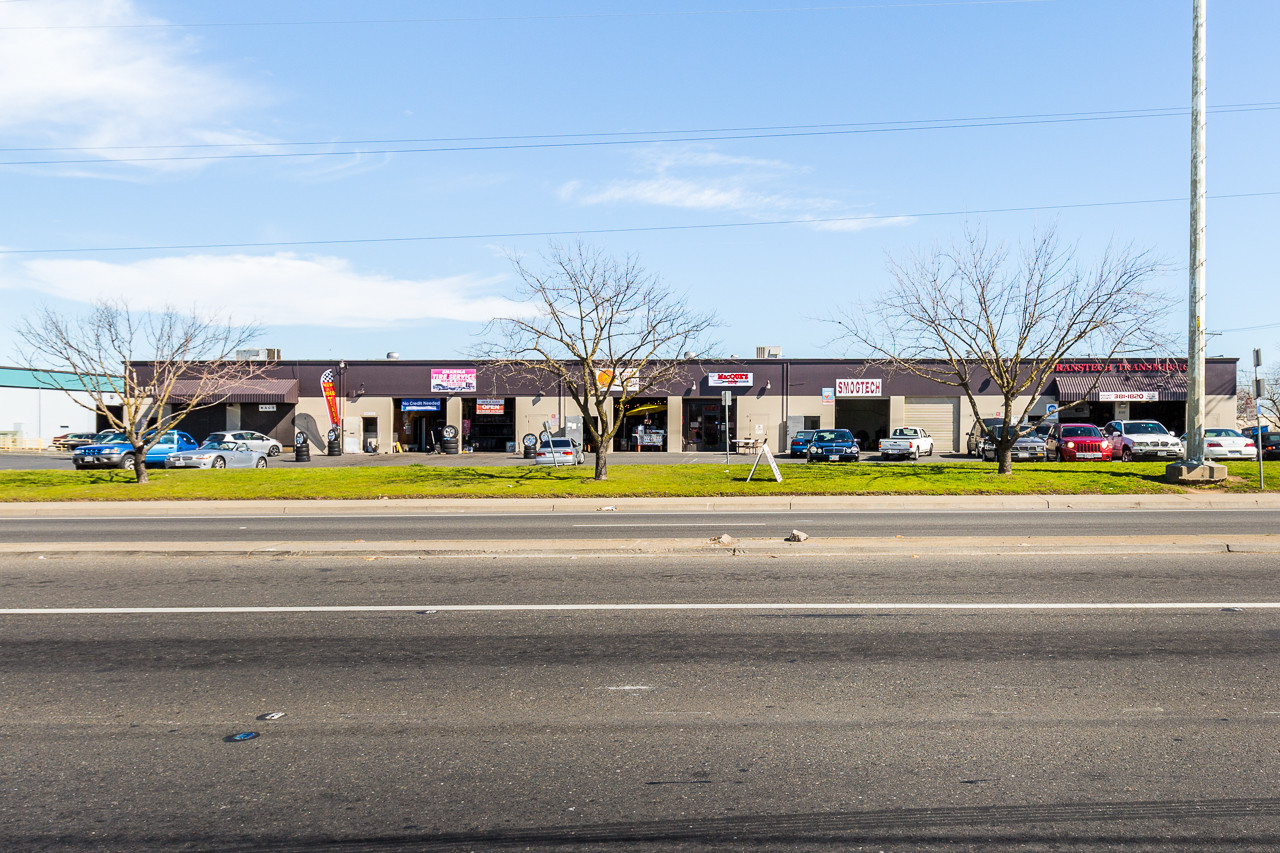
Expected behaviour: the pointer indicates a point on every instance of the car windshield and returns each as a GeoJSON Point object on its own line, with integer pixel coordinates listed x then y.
{"type": "Point", "coordinates": [833, 435]}
{"type": "Point", "coordinates": [110, 438]}
{"type": "Point", "coordinates": [558, 444]}
{"type": "Point", "coordinates": [1081, 432]}
{"type": "Point", "coordinates": [218, 445]}
{"type": "Point", "coordinates": [906, 433]}
{"type": "Point", "coordinates": [1145, 428]}
{"type": "Point", "coordinates": [998, 430]}
{"type": "Point", "coordinates": [803, 435]}
{"type": "Point", "coordinates": [1223, 433]}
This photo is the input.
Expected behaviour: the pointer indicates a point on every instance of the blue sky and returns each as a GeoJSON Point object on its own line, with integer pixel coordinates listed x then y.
{"type": "Point", "coordinates": [83, 81]}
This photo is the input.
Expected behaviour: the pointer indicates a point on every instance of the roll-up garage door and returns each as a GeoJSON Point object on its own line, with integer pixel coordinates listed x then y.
{"type": "Point", "coordinates": [938, 416]}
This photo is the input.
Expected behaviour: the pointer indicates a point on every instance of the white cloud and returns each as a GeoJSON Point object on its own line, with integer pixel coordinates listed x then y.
{"type": "Point", "coordinates": [698, 178]}
{"type": "Point", "coordinates": [275, 290]}
{"type": "Point", "coordinates": [109, 87]}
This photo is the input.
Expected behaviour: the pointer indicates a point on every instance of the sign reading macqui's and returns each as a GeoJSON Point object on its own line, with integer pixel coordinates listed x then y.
{"type": "Point", "coordinates": [453, 379]}
{"type": "Point", "coordinates": [730, 380]}
{"type": "Point", "coordinates": [859, 387]}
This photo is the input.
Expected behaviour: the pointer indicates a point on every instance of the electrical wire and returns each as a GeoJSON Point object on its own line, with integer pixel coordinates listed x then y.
{"type": "Point", "coordinates": [579, 144]}
{"type": "Point", "coordinates": [624, 230]}
{"type": "Point", "coordinates": [900, 124]}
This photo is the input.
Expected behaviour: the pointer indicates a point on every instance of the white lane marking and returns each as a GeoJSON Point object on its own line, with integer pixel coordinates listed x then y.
{"type": "Point", "coordinates": [477, 515]}
{"type": "Point", "coordinates": [631, 687]}
{"type": "Point", "coordinates": [721, 523]}
{"type": "Point", "coordinates": [675, 606]}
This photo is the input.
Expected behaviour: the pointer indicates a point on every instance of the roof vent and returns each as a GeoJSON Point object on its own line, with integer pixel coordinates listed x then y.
{"type": "Point", "coordinates": [768, 352]}
{"type": "Point", "coordinates": [257, 355]}
{"type": "Point", "coordinates": [393, 356]}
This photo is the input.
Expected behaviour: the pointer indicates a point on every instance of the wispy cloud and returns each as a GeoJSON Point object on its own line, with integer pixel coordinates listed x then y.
{"type": "Point", "coordinates": [111, 87]}
{"type": "Point", "coordinates": [700, 178]}
{"type": "Point", "coordinates": [276, 290]}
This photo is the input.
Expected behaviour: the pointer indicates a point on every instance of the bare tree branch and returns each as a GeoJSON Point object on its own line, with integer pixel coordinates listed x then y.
{"type": "Point", "coordinates": [129, 364]}
{"type": "Point", "coordinates": [604, 327]}
{"type": "Point", "coordinates": [957, 315]}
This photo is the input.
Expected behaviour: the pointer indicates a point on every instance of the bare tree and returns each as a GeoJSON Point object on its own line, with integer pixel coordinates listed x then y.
{"type": "Point", "coordinates": [129, 364]}
{"type": "Point", "coordinates": [604, 327]}
{"type": "Point", "coordinates": [975, 311]}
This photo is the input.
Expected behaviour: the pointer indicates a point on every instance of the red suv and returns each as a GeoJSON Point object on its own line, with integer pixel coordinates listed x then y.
{"type": "Point", "coordinates": [1076, 443]}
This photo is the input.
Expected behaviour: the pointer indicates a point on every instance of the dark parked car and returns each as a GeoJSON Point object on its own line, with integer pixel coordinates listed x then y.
{"type": "Point", "coordinates": [974, 445]}
{"type": "Point", "coordinates": [800, 442]}
{"type": "Point", "coordinates": [833, 445]}
{"type": "Point", "coordinates": [116, 452]}
{"type": "Point", "coordinates": [1271, 445]}
{"type": "Point", "coordinates": [1077, 443]}
{"type": "Point", "coordinates": [72, 440]}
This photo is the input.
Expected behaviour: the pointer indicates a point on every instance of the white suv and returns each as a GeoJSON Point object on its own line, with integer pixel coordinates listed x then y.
{"type": "Point", "coordinates": [1132, 440]}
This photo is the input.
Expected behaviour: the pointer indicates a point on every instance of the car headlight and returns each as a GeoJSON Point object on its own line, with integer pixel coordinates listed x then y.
{"type": "Point", "coordinates": [1071, 445]}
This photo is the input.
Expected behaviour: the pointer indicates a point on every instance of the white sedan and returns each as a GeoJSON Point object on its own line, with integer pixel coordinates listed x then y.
{"type": "Point", "coordinates": [255, 440]}
{"type": "Point", "coordinates": [559, 451]}
{"type": "Point", "coordinates": [1220, 443]}
{"type": "Point", "coordinates": [218, 454]}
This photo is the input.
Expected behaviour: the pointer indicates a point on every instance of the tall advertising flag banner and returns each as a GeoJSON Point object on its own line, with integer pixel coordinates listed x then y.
{"type": "Point", "coordinates": [330, 396]}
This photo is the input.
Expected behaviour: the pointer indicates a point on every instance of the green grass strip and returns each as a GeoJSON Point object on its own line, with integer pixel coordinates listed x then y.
{"type": "Point", "coordinates": [424, 481]}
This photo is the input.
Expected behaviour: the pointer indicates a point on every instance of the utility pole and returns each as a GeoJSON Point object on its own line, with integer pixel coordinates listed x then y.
{"type": "Point", "coordinates": [1194, 469]}
{"type": "Point", "coordinates": [1258, 391]}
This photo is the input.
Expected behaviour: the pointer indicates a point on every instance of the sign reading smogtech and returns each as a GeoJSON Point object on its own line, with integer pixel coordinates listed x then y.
{"type": "Point", "coordinates": [859, 387]}
{"type": "Point", "coordinates": [453, 379]}
{"type": "Point", "coordinates": [730, 380]}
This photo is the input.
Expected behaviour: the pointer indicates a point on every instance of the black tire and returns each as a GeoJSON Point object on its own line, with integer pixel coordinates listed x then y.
{"type": "Point", "coordinates": [1126, 455]}
{"type": "Point", "coordinates": [261, 463]}
{"type": "Point", "coordinates": [274, 451]}
{"type": "Point", "coordinates": [128, 462]}
{"type": "Point", "coordinates": [449, 432]}
{"type": "Point", "coordinates": [218, 462]}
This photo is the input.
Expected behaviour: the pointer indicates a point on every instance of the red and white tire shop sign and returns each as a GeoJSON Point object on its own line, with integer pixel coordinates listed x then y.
{"type": "Point", "coordinates": [859, 387]}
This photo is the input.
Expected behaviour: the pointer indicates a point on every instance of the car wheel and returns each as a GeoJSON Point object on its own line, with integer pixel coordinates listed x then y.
{"type": "Point", "coordinates": [274, 451]}
{"type": "Point", "coordinates": [219, 462]}
{"type": "Point", "coordinates": [261, 463]}
{"type": "Point", "coordinates": [128, 462]}
{"type": "Point", "coordinates": [1126, 455]}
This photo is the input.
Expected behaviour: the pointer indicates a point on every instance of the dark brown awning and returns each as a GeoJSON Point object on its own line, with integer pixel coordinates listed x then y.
{"type": "Point", "coordinates": [1170, 386]}
{"type": "Point", "coordinates": [248, 391]}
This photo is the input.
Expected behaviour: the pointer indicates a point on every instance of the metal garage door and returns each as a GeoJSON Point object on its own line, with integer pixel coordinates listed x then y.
{"type": "Point", "coordinates": [938, 416]}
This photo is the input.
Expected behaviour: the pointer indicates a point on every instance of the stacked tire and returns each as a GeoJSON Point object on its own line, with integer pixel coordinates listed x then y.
{"type": "Point", "coordinates": [449, 440]}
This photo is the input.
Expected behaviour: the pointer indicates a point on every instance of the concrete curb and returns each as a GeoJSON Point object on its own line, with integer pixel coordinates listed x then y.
{"type": "Point", "coordinates": [881, 503]}
{"type": "Point", "coordinates": [853, 548]}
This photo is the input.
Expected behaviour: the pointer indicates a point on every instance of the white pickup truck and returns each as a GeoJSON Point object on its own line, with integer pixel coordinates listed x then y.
{"type": "Point", "coordinates": [907, 442]}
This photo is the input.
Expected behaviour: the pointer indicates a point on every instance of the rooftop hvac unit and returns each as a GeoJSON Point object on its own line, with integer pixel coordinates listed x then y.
{"type": "Point", "coordinates": [257, 355]}
{"type": "Point", "coordinates": [768, 352]}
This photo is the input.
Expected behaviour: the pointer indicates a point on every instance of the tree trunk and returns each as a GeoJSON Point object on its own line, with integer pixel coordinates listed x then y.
{"type": "Point", "coordinates": [602, 461]}
{"type": "Point", "coordinates": [1005, 454]}
{"type": "Point", "coordinates": [139, 465]}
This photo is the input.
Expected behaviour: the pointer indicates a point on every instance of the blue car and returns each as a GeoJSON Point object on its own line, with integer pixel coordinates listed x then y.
{"type": "Point", "coordinates": [800, 443]}
{"type": "Point", "coordinates": [114, 451]}
{"type": "Point", "coordinates": [833, 445]}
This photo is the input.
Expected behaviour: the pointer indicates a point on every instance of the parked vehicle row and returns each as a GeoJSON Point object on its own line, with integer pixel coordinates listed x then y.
{"type": "Point", "coordinates": [177, 449]}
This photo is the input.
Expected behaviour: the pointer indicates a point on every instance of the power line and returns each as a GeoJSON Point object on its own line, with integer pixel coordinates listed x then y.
{"type": "Point", "coordinates": [630, 230]}
{"type": "Point", "coordinates": [516, 18]}
{"type": "Point", "coordinates": [900, 124]}
{"type": "Point", "coordinates": [518, 146]}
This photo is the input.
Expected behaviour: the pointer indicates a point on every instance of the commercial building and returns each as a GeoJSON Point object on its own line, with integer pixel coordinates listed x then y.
{"type": "Point", "coordinates": [36, 405]}
{"type": "Point", "coordinates": [405, 405]}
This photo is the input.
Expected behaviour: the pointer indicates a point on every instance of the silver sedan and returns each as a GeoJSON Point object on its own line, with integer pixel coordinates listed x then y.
{"type": "Point", "coordinates": [218, 454]}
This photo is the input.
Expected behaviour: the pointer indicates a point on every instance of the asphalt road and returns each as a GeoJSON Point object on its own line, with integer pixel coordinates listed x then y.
{"type": "Point", "coordinates": [390, 525]}
{"type": "Point", "coordinates": [848, 724]}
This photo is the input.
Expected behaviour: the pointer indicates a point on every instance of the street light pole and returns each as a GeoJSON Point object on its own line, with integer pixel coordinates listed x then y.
{"type": "Point", "coordinates": [1195, 340]}
{"type": "Point", "coordinates": [1194, 468]}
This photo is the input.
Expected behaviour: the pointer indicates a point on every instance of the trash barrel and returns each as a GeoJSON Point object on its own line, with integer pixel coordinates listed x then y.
{"type": "Point", "coordinates": [301, 448]}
